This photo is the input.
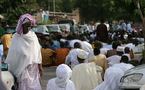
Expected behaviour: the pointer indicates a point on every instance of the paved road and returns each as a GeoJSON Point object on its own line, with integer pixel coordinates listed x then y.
{"type": "Point", "coordinates": [49, 72]}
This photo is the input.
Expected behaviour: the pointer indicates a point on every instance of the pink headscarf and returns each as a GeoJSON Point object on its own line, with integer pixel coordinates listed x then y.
{"type": "Point", "coordinates": [22, 20]}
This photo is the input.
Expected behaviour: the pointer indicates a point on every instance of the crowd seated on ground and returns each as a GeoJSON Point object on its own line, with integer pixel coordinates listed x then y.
{"type": "Point", "coordinates": [103, 57]}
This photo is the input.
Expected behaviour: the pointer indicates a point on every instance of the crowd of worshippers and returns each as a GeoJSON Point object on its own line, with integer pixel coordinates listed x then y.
{"type": "Point", "coordinates": [88, 62]}
{"type": "Point", "coordinates": [93, 68]}
{"type": "Point", "coordinates": [100, 65]}
{"type": "Point", "coordinates": [85, 61]}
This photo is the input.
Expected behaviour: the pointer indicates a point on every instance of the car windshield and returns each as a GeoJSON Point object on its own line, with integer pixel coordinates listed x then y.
{"type": "Point", "coordinates": [40, 29]}
{"type": "Point", "coordinates": [62, 27]}
{"type": "Point", "coordinates": [52, 28]}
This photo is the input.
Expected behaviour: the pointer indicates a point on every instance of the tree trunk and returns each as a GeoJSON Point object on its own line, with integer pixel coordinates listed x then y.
{"type": "Point", "coordinates": [143, 22]}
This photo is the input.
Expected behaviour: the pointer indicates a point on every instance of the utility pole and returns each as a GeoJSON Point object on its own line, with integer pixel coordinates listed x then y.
{"type": "Point", "coordinates": [54, 7]}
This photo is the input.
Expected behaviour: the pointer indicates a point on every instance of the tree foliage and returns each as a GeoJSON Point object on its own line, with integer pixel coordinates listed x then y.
{"type": "Point", "coordinates": [12, 9]}
{"type": "Point", "coordinates": [89, 9]}
{"type": "Point", "coordinates": [108, 9]}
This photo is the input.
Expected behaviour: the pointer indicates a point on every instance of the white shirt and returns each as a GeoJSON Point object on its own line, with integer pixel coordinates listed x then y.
{"type": "Point", "coordinates": [71, 58]}
{"type": "Point", "coordinates": [72, 42]}
{"type": "Point", "coordinates": [86, 76]}
{"type": "Point", "coordinates": [87, 47]}
{"type": "Point", "coordinates": [113, 59]}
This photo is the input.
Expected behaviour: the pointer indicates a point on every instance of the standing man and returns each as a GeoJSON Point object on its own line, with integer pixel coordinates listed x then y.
{"type": "Point", "coordinates": [101, 32]}
{"type": "Point", "coordinates": [24, 57]}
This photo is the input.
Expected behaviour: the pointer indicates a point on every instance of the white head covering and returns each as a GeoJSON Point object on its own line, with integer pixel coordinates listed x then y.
{"type": "Point", "coordinates": [113, 60]}
{"type": "Point", "coordinates": [63, 73]}
{"type": "Point", "coordinates": [83, 54]}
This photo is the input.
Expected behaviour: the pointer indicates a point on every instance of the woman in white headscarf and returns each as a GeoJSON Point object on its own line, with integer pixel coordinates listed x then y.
{"type": "Point", "coordinates": [24, 56]}
{"type": "Point", "coordinates": [62, 80]}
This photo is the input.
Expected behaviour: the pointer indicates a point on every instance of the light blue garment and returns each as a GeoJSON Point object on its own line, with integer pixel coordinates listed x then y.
{"type": "Point", "coordinates": [1, 51]}
{"type": "Point", "coordinates": [55, 45]}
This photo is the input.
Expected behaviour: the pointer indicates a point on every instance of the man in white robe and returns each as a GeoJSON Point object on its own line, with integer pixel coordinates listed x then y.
{"type": "Point", "coordinates": [113, 75]}
{"type": "Point", "coordinates": [124, 65]}
{"type": "Point", "coordinates": [111, 79]}
{"type": "Point", "coordinates": [62, 80]}
{"type": "Point", "coordinates": [87, 46]}
{"type": "Point", "coordinates": [71, 58]}
{"type": "Point", "coordinates": [113, 60]}
{"type": "Point", "coordinates": [86, 75]}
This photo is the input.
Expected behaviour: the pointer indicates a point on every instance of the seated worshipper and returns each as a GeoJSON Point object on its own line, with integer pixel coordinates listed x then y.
{"type": "Point", "coordinates": [72, 42]}
{"type": "Point", "coordinates": [61, 53]}
{"type": "Point", "coordinates": [114, 49]}
{"type": "Point", "coordinates": [99, 59]}
{"type": "Point", "coordinates": [113, 75]}
{"type": "Point", "coordinates": [6, 41]}
{"type": "Point", "coordinates": [47, 56]}
{"type": "Point", "coordinates": [61, 82]}
{"type": "Point", "coordinates": [86, 76]}
{"type": "Point", "coordinates": [47, 53]}
{"type": "Point", "coordinates": [98, 44]}
{"type": "Point", "coordinates": [71, 58]}
{"type": "Point", "coordinates": [128, 53]}
{"type": "Point", "coordinates": [111, 79]}
{"type": "Point", "coordinates": [124, 65]}
{"type": "Point", "coordinates": [24, 56]}
{"type": "Point", "coordinates": [113, 60]}
{"type": "Point", "coordinates": [55, 44]}
{"type": "Point", "coordinates": [87, 46]}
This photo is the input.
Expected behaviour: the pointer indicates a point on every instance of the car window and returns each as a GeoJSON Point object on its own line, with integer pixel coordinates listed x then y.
{"type": "Point", "coordinates": [41, 29]}
{"type": "Point", "coordinates": [62, 27]}
{"type": "Point", "coordinates": [52, 28]}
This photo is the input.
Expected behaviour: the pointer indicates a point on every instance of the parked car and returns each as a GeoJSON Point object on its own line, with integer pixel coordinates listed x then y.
{"type": "Point", "coordinates": [53, 28]}
{"type": "Point", "coordinates": [11, 29]}
{"type": "Point", "coordinates": [70, 22]}
{"type": "Point", "coordinates": [133, 78]}
{"type": "Point", "coordinates": [64, 27]}
{"type": "Point", "coordinates": [84, 28]}
{"type": "Point", "coordinates": [7, 78]}
{"type": "Point", "coordinates": [42, 29]}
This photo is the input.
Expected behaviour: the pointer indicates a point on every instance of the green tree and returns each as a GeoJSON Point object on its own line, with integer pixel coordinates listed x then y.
{"type": "Point", "coordinates": [12, 9]}
{"type": "Point", "coordinates": [107, 9]}
{"type": "Point", "coordinates": [66, 5]}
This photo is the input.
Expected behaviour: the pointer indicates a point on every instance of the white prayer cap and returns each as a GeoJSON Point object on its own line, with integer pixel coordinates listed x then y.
{"type": "Point", "coordinates": [83, 54]}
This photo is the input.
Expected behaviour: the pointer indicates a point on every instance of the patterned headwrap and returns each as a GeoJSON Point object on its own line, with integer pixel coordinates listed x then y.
{"type": "Point", "coordinates": [24, 19]}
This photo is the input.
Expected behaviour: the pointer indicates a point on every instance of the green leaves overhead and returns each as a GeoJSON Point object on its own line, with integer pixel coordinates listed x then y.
{"type": "Point", "coordinates": [89, 9]}
{"type": "Point", "coordinates": [108, 9]}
